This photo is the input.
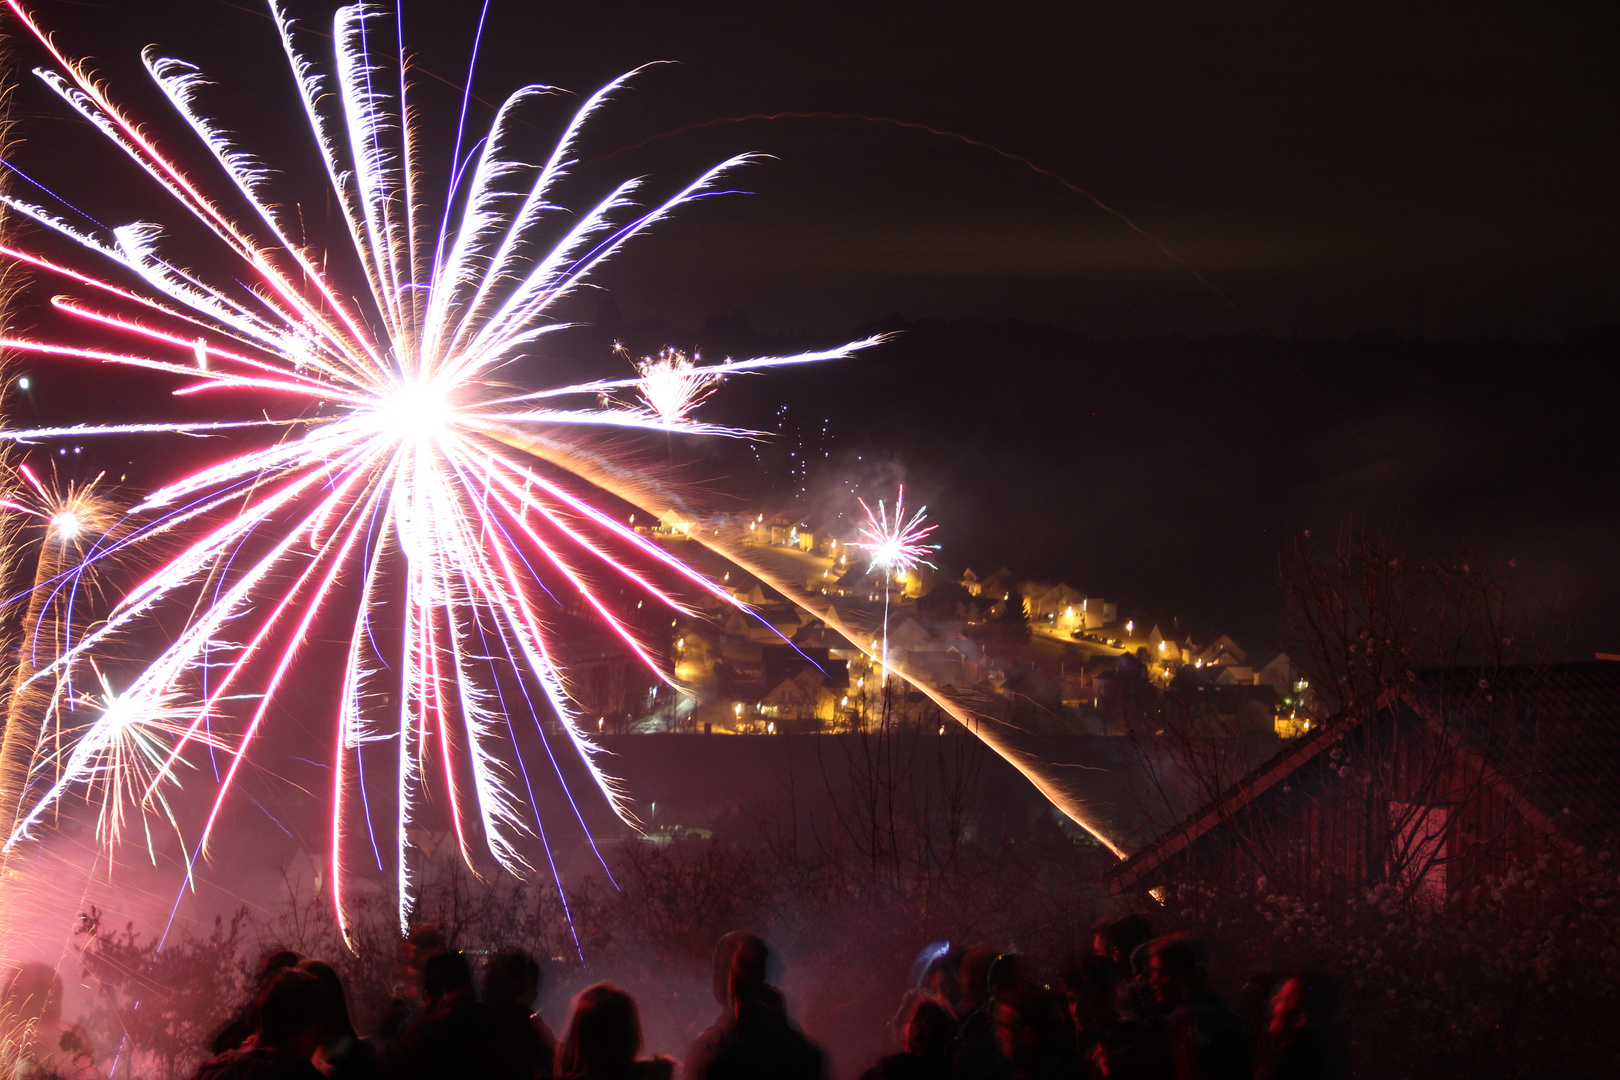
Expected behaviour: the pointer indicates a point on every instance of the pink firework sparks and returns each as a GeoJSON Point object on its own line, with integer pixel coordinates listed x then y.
{"type": "Point", "coordinates": [893, 542]}
{"type": "Point", "coordinates": [409, 499]}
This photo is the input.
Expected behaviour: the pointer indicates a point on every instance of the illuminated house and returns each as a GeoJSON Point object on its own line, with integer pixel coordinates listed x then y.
{"type": "Point", "coordinates": [766, 623]}
{"type": "Point", "coordinates": [802, 702]}
{"type": "Point", "coordinates": [674, 524]}
{"type": "Point", "coordinates": [1099, 612]}
{"type": "Point", "coordinates": [1223, 650]}
{"type": "Point", "coordinates": [860, 583]}
{"type": "Point", "coordinates": [1058, 604]}
{"type": "Point", "coordinates": [998, 586]}
{"type": "Point", "coordinates": [816, 634]}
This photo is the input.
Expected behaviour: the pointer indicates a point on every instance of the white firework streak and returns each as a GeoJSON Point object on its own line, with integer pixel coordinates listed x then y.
{"type": "Point", "coordinates": [895, 544]}
{"type": "Point", "coordinates": [399, 473]}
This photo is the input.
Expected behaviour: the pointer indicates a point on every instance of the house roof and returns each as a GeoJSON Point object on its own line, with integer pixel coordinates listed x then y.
{"type": "Point", "coordinates": [1000, 580]}
{"type": "Point", "coordinates": [1570, 770]}
{"type": "Point", "coordinates": [1224, 644]}
{"type": "Point", "coordinates": [803, 688]}
{"type": "Point", "coordinates": [1565, 780]}
{"type": "Point", "coordinates": [911, 637]}
{"type": "Point", "coordinates": [860, 576]}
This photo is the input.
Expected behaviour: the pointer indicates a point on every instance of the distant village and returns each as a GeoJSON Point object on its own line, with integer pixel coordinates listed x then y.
{"type": "Point", "coordinates": [1063, 661]}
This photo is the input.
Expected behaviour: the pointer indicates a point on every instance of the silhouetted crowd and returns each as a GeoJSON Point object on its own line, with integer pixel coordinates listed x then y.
{"type": "Point", "coordinates": [1133, 1006]}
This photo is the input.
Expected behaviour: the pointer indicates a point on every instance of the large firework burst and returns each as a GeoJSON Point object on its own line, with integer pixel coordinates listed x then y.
{"type": "Point", "coordinates": [412, 497]}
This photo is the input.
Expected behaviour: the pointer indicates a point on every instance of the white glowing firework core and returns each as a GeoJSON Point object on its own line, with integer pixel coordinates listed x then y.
{"type": "Point", "coordinates": [67, 526]}
{"type": "Point", "coordinates": [673, 385]}
{"type": "Point", "coordinates": [415, 412]}
{"type": "Point", "coordinates": [889, 554]}
{"type": "Point", "coordinates": [120, 711]}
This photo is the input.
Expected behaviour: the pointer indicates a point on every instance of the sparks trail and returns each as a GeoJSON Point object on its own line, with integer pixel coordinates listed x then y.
{"type": "Point", "coordinates": [451, 83]}
{"type": "Point", "coordinates": [968, 140]}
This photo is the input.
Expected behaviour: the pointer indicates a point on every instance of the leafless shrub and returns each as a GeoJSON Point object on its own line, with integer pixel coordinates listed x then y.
{"type": "Point", "coordinates": [1515, 978]}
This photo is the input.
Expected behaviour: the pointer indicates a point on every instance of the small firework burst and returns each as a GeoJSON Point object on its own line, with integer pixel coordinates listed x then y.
{"type": "Point", "coordinates": [75, 517]}
{"type": "Point", "coordinates": [123, 758]}
{"type": "Point", "coordinates": [672, 384]}
{"type": "Point", "coordinates": [893, 542]}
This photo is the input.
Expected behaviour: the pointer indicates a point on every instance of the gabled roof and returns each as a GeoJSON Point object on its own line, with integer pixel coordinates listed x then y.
{"type": "Point", "coordinates": [908, 636]}
{"type": "Point", "coordinates": [817, 634]}
{"type": "Point", "coordinates": [1224, 644]}
{"type": "Point", "coordinates": [1565, 783]}
{"type": "Point", "coordinates": [860, 576]}
{"type": "Point", "coordinates": [998, 582]}
{"type": "Point", "coordinates": [951, 639]}
{"type": "Point", "coordinates": [1571, 770]}
{"type": "Point", "coordinates": [803, 688]}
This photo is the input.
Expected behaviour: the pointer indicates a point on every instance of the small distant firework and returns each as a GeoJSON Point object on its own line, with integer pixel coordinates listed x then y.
{"type": "Point", "coordinates": [672, 384]}
{"type": "Point", "coordinates": [71, 513]}
{"type": "Point", "coordinates": [894, 543]}
{"type": "Point", "coordinates": [122, 759]}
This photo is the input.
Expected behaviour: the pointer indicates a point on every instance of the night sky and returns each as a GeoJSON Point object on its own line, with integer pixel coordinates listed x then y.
{"type": "Point", "coordinates": [1413, 206]}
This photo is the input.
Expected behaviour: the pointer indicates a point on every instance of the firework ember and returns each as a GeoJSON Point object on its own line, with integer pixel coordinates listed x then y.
{"type": "Point", "coordinates": [412, 496]}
